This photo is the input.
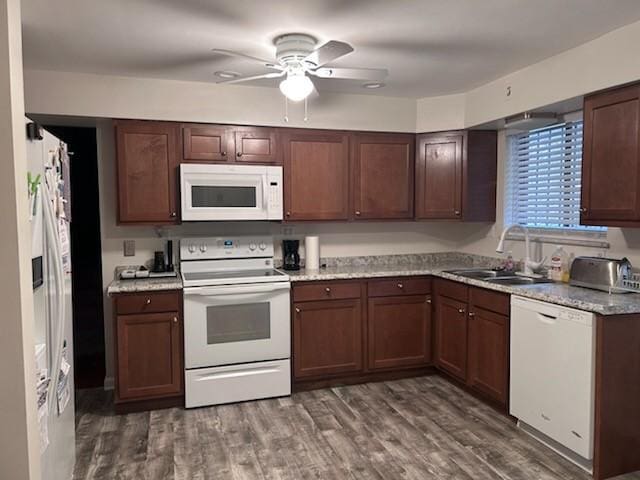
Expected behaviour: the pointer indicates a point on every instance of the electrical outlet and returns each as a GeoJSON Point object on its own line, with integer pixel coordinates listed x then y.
{"type": "Point", "coordinates": [129, 248]}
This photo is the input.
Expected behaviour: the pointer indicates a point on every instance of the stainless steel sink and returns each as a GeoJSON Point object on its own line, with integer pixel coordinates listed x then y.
{"type": "Point", "coordinates": [478, 273]}
{"type": "Point", "coordinates": [498, 277]}
{"type": "Point", "coordinates": [517, 280]}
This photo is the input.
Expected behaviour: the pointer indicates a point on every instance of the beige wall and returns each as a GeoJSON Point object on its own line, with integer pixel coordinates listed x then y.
{"type": "Point", "coordinates": [19, 441]}
{"type": "Point", "coordinates": [101, 96]}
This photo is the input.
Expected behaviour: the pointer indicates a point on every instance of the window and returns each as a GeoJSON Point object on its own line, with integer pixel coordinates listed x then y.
{"type": "Point", "coordinates": [543, 178]}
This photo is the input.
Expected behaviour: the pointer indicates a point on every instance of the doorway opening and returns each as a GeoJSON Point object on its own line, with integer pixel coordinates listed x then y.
{"type": "Point", "coordinates": [86, 256]}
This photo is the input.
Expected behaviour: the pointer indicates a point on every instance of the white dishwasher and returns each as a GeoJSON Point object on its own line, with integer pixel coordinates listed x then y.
{"type": "Point", "coordinates": [552, 375]}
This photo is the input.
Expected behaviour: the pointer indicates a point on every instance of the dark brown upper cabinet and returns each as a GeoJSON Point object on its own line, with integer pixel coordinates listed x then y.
{"type": "Point", "coordinates": [316, 175]}
{"type": "Point", "coordinates": [382, 170]}
{"type": "Point", "coordinates": [257, 145]}
{"type": "Point", "coordinates": [456, 176]}
{"type": "Point", "coordinates": [207, 143]}
{"type": "Point", "coordinates": [147, 159]}
{"type": "Point", "coordinates": [611, 158]}
{"type": "Point", "coordinates": [225, 143]}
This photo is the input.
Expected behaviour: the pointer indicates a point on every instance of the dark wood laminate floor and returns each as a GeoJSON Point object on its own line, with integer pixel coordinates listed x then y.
{"type": "Point", "coordinates": [420, 428]}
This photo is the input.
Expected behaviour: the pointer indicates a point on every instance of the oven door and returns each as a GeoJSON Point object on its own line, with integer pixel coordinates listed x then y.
{"type": "Point", "coordinates": [222, 192]}
{"type": "Point", "coordinates": [230, 324]}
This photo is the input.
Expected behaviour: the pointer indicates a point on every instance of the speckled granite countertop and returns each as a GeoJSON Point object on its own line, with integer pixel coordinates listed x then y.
{"type": "Point", "coordinates": [145, 285]}
{"type": "Point", "coordinates": [437, 264]}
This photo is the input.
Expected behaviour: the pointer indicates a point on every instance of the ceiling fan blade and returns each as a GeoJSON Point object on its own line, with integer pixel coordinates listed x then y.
{"type": "Point", "coordinates": [254, 77]}
{"type": "Point", "coordinates": [231, 53]}
{"type": "Point", "coordinates": [328, 52]}
{"type": "Point", "coordinates": [374, 74]}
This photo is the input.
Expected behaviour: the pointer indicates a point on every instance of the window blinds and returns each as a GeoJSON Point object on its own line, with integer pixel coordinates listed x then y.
{"type": "Point", "coordinates": [543, 178]}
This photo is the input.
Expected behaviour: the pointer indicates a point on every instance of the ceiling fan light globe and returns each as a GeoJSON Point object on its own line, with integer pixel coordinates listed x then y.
{"type": "Point", "coordinates": [296, 87]}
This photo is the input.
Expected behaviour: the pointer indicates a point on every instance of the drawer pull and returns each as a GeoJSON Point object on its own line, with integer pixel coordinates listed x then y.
{"type": "Point", "coordinates": [148, 302]}
{"type": "Point", "coordinates": [175, 319]}
{"type": "Point", "coordinates": [428, 301]}
{"type": "Point", "coordinates": [358, 212]}
{"type": "Point", "coordinates": [472, 314]}
{"type": "Point", "coordinates": [400, 285]}
{"type": "Point", "coordinates": [297, 310]}
{"type": "Point", "coordinates": [328, 290]}
{"type": "Point", "coordinates": [461, 310]}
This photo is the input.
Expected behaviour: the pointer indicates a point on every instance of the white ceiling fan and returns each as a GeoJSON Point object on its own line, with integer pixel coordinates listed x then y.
{"type": "Point", "coordinates": [297, 58]}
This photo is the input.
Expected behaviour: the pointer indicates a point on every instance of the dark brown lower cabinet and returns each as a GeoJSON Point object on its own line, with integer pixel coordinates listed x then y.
{"type": "Point", "coordinates": [399, 330]}
{"type": "Point", "coordinates": [451, 336]}
{"type": "Point", "coordinates": [488, 353]}
{"type": "Point", "coordinates": [472, 337]}
{"type": "Point", "coordinates": [327, 337]}
{"type": "Point", "coordinates": [149, 358]}
{"type": "Point", "coordinates": [354, 330]}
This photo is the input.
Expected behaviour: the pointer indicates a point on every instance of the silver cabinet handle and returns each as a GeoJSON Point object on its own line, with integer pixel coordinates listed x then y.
{"type": "Point", "coordinates": [400, 285]}
{"type": "Point", "coordinates": [357, 212]}
{"type": "Point", "coordinates": [148, 302]}
{"type": "Point", "coordinates": [429, 301]}
{"type": "Point", "coordinates": [461, 310]}
{"type": "Point", "coordinates": [457, 213]}
{"type": "Point", "coordinates": [175, 319]}
{"type": "Point", "coordinates": [288, 214]}
{"type": "Point", "coordinates": [173, 214]}
{"type": "Point", "coordinates": [472, 314]}
{"type": "Point", "coordinates": [297, 310]}
{"type": "Point", "coordinates": [224, 154]}
{"type": "Point", "coordinates": [583, 209]}
{"type": "Point", "coordinates": [328, 290]}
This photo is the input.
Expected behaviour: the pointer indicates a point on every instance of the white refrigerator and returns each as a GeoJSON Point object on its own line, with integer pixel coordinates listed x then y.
{"type": "Point", "coordinates": [48, 167]}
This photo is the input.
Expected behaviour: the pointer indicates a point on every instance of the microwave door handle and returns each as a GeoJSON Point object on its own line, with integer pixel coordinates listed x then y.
{"type": "Point", "coordinates": [265, 188]}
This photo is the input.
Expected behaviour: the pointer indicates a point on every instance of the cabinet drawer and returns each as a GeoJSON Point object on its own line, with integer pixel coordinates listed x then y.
{"type": "Point", "coordinates": [455, 290]}
{"type": "Point", "coordinates": [493, 301]}
{"type": "Point", "coordinates": [399, 286]}
{"type": "Point", "coordinates": [147, 303]}
{"type": "Point", "coordinates": [326, 291]}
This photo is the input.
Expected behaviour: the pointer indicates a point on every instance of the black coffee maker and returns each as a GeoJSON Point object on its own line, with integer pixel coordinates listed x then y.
{"type": "Point", "coordinates": [291, 257]}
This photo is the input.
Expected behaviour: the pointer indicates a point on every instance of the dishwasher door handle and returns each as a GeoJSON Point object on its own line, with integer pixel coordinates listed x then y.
{"type": "Point", "coordinates": [548, 319]}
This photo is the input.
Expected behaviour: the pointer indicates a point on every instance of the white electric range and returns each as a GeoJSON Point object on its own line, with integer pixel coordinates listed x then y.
{"type": "Point", "coordinates": [237, 333]}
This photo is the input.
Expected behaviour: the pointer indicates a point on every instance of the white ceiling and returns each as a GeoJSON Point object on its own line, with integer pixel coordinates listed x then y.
{"type": "Point", "coordinates": [430, 47]}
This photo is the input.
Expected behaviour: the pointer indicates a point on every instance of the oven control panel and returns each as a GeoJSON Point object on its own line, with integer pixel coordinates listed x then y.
{"type": "Point", "coordinates": [211, 248]}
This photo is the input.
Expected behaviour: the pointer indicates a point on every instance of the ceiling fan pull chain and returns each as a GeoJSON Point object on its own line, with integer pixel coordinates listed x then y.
{"type": "Point", "coordinates": [286, 110]}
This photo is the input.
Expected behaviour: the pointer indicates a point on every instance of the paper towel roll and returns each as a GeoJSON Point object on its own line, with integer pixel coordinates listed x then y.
{"type": "Point", "coordinates": [311, 253]}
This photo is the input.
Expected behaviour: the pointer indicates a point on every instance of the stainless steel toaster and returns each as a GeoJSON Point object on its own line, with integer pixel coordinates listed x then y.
{"type": "Point", "coordinates": [600, 273]}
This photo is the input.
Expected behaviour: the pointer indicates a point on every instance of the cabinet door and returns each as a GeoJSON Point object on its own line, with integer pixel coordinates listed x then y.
{"type": "Point", "coordinates": [382, 171]}
{"type": "Point", "coordinates": [207, 143]}
{"type": "Point", "coordinates": [439, 176]}
{"type": "Point", "coordinates": [327, 338]}
{"type": "Point", "coordinates": [257, 145]}
{"type": "Point", "coordinates": [451, 336]}
{"type": "Point", "coordinates": [611, 157]}
{"type": "Point", "coordinates": [147, 163]}
{"type": "Point", "coordinates": [489, 353]}
{"type": "Point", "coordinates": [399, 330]}
{"type": "Point", "coordinates": [316, 175]}
{"type": "Point", "coordinates": [149, 355]}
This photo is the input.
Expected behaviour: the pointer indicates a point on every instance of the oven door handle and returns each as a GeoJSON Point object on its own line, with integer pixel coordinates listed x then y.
{"type": "Point", "coordinates": [236, 289]}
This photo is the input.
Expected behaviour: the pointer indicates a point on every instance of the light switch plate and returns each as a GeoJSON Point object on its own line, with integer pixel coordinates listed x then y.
{"type": "Point", "coordinates": [129, 248]}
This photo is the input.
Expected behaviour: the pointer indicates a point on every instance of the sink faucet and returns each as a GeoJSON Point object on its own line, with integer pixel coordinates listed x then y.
{"type": "Point", "coordinates": [529, 265]}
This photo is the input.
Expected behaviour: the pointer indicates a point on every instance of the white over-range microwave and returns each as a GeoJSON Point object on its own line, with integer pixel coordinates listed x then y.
{"type": "Point", "coordinates": [230, 192]}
